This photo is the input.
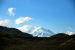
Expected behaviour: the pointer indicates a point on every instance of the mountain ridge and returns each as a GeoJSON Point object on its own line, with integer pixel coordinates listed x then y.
{"type": "Point", "coordinates": [14, 31]}
{"type": "Point", "coordinates": [60, 41]}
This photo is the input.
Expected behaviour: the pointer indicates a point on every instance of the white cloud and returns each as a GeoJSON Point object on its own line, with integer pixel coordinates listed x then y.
{"type": "Point", "coordinates": [4, 22]}
{"type": "Point", "coordinates": [70, 33]}
{"type": "Point", "coordinates": [11, 11]}
{"type": "Point", "coordinates": [26, 28]}
{"type": "Point", "coordinates": [23, 20]}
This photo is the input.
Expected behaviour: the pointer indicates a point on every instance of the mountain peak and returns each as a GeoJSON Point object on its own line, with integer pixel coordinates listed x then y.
{"type": "Point", "coordinates": [41, 32]}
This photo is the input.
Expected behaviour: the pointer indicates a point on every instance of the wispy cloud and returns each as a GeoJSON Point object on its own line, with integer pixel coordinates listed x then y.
{"type": "Point", "coordinates": [4, 22]}
{"type": "Point", "coordinates": [11, 11]}
{"type": "Point", "coordinates": [23, 20]}
{"type": "Point", "coordinates": [26, 28]}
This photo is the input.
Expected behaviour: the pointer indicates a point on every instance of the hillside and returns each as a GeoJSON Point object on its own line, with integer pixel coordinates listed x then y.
{"type": "Point", "coordinates": [13, 39]}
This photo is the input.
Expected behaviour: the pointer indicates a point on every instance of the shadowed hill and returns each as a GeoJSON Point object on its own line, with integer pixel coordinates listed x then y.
{"type": "Point", "coordinates": [13, 39]}
{"type": "Point", "coordinates": [12, 32]}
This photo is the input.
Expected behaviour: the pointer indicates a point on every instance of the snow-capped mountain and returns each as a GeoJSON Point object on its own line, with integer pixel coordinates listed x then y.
{"type": "Point", "coordinates": [36, 31]}
{"type": "Point", "coordinates": [42, 32]}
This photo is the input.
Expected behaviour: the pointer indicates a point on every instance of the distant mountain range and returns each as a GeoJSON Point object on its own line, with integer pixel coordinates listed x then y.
{"type": "Point", "coordinates": [13, 39]}
{"type": "Point", "coordinates": [40, 31]}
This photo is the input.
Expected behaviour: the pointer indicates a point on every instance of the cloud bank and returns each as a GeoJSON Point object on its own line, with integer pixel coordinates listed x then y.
{"type": "Point", "coordinates": [26, 28]}
{"type": "Point", "coordinates": [4, 22]}
{"type": "Point", "coordinates": [70, 33]}
{"type": "Point", "coordinates": [23, 20]}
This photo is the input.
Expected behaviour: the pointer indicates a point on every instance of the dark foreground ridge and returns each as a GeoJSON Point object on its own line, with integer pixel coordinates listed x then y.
{"type": "Point", "coordinates": [13, 39]}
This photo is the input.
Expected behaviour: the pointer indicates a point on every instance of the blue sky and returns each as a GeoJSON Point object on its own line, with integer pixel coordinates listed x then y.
{"type": "Point", "coordinates": [56, 15]}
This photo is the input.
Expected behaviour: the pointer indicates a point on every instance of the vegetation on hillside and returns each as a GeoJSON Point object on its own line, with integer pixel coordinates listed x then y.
{"type": "Point", "coordinates": [13, 39]}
